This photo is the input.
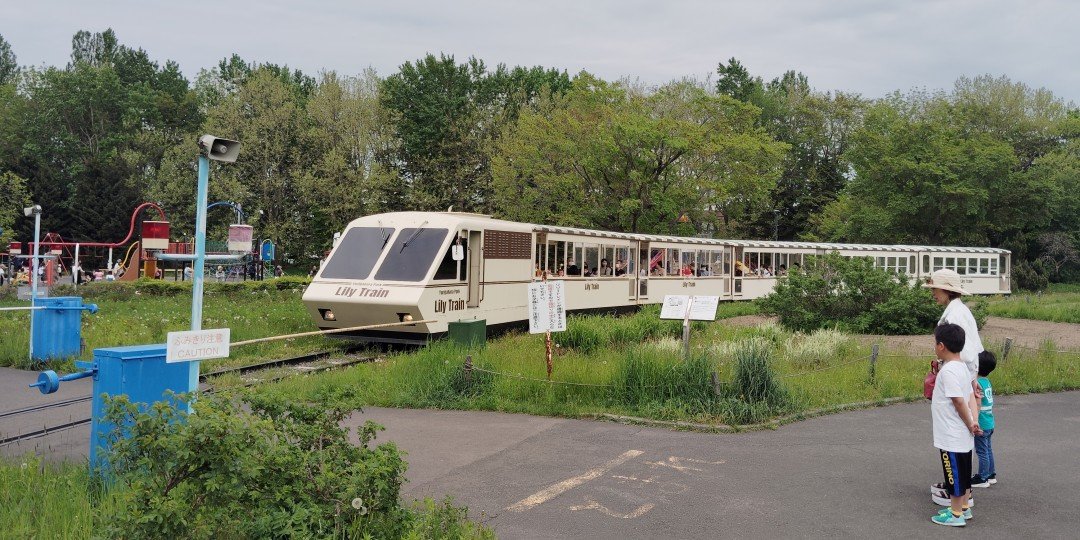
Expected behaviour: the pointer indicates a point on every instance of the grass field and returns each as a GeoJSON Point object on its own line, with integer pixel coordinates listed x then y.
{"type": "Point", "coordinates": [1060, 303]}
{"type": "Point", "coordinates": [146, 319]}
{"type": "Point", "coordinates": [632, 366]}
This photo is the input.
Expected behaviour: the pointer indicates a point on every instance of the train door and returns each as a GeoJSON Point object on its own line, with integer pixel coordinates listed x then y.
{"type": "Point", "coordinates": [476, 265]}
{"type": "Point", "coordinates": [641, 271]}
{"type": "Point", "coordinates": [737, 270]}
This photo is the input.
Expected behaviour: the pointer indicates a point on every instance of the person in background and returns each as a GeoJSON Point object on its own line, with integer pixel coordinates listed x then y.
{"type": "Point", "coordinates": [572, 269]}
{"type": "Point", "coordinates": [620, 267]}
{"type": "Point", "coordinates": [189, 273]}
{"type": "Point", "coordinates": [279, 271]}
{"type": "Point", "coordinates": [605, 268]}
{"type": "Point", "coordinates": [3, 275]}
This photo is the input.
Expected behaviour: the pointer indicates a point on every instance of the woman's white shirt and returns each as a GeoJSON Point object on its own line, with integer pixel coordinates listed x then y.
{"type": "Point", "coordinates": [957, 313]}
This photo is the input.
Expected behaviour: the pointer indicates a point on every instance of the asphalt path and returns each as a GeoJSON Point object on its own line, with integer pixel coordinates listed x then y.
{"type": "Point", "coordinates": [856, 474]}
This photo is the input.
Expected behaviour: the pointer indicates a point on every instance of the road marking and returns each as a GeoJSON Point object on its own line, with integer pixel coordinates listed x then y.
{"type": "Point", "coordinates": [593, 505]}
{"type": "Point", "coordinates": [680, 464]}
{"type": "Point", "coordinates": [555, 490]}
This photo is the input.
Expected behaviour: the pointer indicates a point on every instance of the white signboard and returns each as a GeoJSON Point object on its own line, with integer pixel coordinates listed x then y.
{"type": "Point", "coordinates": [674, 306]}
{"type": "Point", "coordinates": [547, 307]}
{"type": "Point", "coordinates": [702, 308]}
{"type": "Point", "coordinates": [197, 345]}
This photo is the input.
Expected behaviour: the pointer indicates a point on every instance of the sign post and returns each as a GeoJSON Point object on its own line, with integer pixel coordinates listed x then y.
{"type": "Point", "coordinates": [688, 308]}
{"type": "Point", "coordinates": [195, 345]}
{"type": "Point", "coordinates": [547, 312]}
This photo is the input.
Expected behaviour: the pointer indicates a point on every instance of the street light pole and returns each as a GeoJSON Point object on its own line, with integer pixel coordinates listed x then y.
{"type": "Point", "coordinates": [35, 211]}
{"type": "Point", "coordinates": [217, 149]}
{"type": "Point", "coordinates": [200, 243]}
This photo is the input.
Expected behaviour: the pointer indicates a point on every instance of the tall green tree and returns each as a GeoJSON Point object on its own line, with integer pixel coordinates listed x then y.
{"type": "Point", "coordinates": [607, 157]}
{"type": "Point", "coordinates": [446, 116]}
{"type": "Point", "coordinates": [9, 65]}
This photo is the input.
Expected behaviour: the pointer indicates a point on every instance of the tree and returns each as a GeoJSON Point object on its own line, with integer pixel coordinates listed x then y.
{"type": "Point", "coordinates": [603, 156]}
{"type": "Point", "coordinates": [446, 116]}
{"type": "Point", "coordinates": [13, 198]}
{"type": "Point", "coordinates": [9, 66]}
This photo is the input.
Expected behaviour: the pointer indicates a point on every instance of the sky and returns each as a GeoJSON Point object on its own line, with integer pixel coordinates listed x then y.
{"type": "Point", "coordinates": [871, 47]}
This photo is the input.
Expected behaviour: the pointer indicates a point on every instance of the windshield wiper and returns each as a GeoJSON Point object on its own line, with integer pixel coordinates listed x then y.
{"type": "Point", "coordinates": [413, 237]}
{"type": "Point", "coordinates": [385, 238]}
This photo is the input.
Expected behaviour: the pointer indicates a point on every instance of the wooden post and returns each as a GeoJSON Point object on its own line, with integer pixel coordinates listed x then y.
{"type": "Point", "coordinates": [468, 370]}
{"type": "Point", "coordinates": [686, 330]}
{"type": "Point", "coordinates": [715, 384]}
{"type": "Point", "coordinates": [547, 344]}
{"type": "Point", "coordinates": [873, 362]}
{"type": "Point", "coordinates": [1005, 350]}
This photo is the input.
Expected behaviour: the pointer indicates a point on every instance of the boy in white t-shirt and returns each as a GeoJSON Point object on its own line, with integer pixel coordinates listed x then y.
{"type": "Point", "coordinates": [954, 426]}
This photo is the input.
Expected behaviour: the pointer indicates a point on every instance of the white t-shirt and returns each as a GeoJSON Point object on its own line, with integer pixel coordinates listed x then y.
{"type": "Point", "coordinates": [957, 313]}
{"type": "Point", "coordinates": [950, 432]}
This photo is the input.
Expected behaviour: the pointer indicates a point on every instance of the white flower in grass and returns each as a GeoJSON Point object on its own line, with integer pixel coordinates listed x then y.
{"type": "Point", "coordinates": [358, 503]}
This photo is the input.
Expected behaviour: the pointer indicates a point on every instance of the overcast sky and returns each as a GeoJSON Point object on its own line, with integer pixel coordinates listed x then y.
{"type": "Point", "coordinates": [868, 46]}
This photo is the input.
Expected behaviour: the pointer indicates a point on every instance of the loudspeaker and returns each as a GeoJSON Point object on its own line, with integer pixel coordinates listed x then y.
{"type": "Point", "coordinates": [219, 149]}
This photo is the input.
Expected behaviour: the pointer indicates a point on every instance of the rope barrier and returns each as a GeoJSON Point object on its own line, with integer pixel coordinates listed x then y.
{"type": "Point", "coordinates": [824, 368]}
{"type": "Point", "coordinates": [334, 331]}
{"type": "Point", "coordinates": [524, 378]}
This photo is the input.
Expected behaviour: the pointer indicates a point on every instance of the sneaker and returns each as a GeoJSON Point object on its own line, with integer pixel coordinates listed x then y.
{"type": "Point", "coordinates": [946, 517]}
{"type": "Point", "coordinates": [979, 482]}
{"type": "Point", "coordinates": [992, 479]}
{"type": "Point", "coordinates": [941, 498]}
{"type": "Point", "coordinates": [967, 512]}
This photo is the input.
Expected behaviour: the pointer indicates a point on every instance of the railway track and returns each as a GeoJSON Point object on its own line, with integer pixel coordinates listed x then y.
{"type": "Point", "coordinates": [307, 363]}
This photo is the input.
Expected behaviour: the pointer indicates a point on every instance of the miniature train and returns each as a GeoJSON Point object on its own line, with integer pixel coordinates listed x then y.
{"type": "Point", "coordinates": [450, 266]}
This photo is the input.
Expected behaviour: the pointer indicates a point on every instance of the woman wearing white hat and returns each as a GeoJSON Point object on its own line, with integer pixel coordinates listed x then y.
{"type": "Point", "coordinates": [947, 290]}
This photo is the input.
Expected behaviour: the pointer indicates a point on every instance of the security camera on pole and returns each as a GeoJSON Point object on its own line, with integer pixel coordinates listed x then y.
{"type": "Point", "coordinates": [35, 211]}
{"type": "Point", "coordinates": [217, 149]}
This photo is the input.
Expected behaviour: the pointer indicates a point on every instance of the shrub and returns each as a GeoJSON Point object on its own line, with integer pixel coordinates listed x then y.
{"type": "Point", "coordinates": [584, 333]}
{"type": "Point", "coordinates": [1026, 277]}
{"type": "Point", "coordinates": [654, 375]}
{"type": "Point", "coordinates": [817, 348]}
{"type": "Point", "coordinates": [755, 380]}
{"type": "Point", "coordinates": [122, 290]}
{"type": "Point", "coordinates": [284, 469]}
{"type": "Point", "coordinates": [850, 294]}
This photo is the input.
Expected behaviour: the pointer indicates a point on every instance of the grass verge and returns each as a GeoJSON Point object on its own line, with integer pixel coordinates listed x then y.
{"type": "Point", "coordinates": [1060, 303]}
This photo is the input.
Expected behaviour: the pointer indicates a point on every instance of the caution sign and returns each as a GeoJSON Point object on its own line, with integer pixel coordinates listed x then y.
{"type": "Point", "coordinates": [197, 345]}
{"type": "Point", "coordinates": [547, 308]}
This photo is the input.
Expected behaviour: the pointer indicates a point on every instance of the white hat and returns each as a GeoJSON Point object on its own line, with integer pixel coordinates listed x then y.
{"type": "Point", "coordinates": [946, 280]}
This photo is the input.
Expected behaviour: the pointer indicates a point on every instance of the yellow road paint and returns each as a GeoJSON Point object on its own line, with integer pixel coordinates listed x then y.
{"type": "Point", "coordinates": [555, 490]}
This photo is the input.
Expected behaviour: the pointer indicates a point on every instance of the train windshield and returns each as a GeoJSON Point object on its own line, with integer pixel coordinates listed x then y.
{"type": "Point", "coordinates": [412, 254]}
{"type": "Point", "coordinates": [357, 253]}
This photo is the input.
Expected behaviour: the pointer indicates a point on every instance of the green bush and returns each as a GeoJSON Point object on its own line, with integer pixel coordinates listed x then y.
{"type": "Point", "coordinates": [1026, 277]}
{"type": "Point", "coordinates": [656, 375]}
{"type": "Point", "coordinates": [851, 295]}
{"type": "Point", "coordinates": [284, 469]}
{"type": "Point", "coordinates": [123, 290]}
{"type": "Point", "coordinates": [584, 333]}
{"type": "Point", "coordinates": [755, 379]}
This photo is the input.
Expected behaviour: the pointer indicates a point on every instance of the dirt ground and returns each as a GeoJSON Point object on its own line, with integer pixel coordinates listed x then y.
{"type": "Point", "coordinates": [1025, 332]}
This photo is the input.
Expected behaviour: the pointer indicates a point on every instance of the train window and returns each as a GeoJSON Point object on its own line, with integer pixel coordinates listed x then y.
{"type": "Point", "coordinates": [938, 264]}
{"type": "Point", "coordinates": [357, 253]}
{"type": "Point", "coordinates": [411, 255]}
{"type": "Point", "coordinates": [994, 266]}
{"type": "Point", "coordinates": [590, 260]}
{"type": "Point", "coordinates": [451, 269]}
{"type": "Point", "coordinates": [911, 265]}
{"type": "Point", "coordinates": [926, 263]}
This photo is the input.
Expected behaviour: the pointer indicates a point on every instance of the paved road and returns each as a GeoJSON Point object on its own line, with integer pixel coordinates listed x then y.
{"type": "Point", "coordinates": [857, 474]}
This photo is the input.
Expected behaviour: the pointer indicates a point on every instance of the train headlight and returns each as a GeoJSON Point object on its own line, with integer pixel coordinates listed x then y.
{"type": "Point", "coordinates": [328, 314]}
{"type": "Point", "coordinates": [407, 318]}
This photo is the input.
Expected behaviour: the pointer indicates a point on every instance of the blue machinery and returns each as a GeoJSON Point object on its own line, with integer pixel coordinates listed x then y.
{"type": "Point", "coordinates": [140, 372]}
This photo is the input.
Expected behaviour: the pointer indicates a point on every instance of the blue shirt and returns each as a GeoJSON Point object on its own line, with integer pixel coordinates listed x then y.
{"type": "Point", "coordinates": [986, 406]}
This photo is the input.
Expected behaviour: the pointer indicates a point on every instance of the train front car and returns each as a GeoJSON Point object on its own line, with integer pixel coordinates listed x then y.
{"type": "Point", "coordinates": [377, 274]}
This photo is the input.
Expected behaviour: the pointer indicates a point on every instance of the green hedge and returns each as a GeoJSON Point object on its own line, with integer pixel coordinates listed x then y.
{"type": "Point", "coordinates": [120, 290]}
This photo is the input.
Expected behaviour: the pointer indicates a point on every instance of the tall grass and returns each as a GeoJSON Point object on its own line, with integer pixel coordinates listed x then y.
{"type": "Point", "coordinates": [1060, 304]}
{"type": "Point", "coordinates": [39, 500]}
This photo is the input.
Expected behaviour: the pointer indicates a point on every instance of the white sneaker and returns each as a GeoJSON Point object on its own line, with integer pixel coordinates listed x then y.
{"type": "Point", "coordinates": [941, 498]}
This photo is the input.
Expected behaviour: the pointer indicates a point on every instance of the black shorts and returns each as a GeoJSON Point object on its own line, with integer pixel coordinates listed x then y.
{"type": "Point", "coordinates": [957, 469]}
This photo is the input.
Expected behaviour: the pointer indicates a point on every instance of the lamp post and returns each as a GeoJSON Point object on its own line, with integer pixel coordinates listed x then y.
{"type": "Point", "coordinates": [35, 211]}
{"type": "Point", "coordinates": [217, 149]}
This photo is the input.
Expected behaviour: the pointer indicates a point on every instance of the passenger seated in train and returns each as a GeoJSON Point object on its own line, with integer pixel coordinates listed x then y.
{"type": "Point", "coordinates": [572, 269]}
{"type": "Point", "coordinates": [781, 271]}
{"type": "Point", "coordinates": [687, 269]}
{"type": "Point", "coordinates": [740, 268]}
{"type": "Point", "coordinates": [605, 269]}
{"type": "Point", "coordinates": [704, 271]}
{"type": "Point", "coordinates": [620, 267]}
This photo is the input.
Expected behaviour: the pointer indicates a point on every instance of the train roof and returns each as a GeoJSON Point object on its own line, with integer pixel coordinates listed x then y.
{"type": "Point", "coordinates": [757, 244]}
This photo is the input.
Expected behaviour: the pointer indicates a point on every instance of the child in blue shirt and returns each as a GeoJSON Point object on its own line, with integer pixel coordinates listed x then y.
{"type": "Point", "coordinates": [986, 475]}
